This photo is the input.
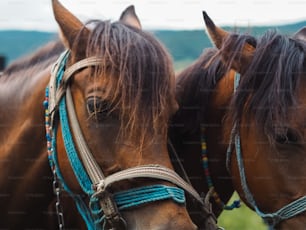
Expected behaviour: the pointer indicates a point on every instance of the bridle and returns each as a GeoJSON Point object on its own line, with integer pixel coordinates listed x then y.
{"type": "Point", "coordinates": [103, 212]}
{"type": "Point", "coordinates": [272, 219]}
{"type": "Point", "coordinates": [104, 206]}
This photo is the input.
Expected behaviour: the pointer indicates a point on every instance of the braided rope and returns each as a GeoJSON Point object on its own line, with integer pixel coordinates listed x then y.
{"type": "Point", "coordinates": [137, 197]}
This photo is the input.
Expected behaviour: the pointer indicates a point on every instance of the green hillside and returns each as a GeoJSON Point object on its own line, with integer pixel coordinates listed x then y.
{"type": "Point", "coordinates": [14, 44]}
{"type": "Point", "coordinates": [184, 45]}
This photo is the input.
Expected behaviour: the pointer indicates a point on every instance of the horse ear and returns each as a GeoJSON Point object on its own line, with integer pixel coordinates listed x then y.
{"type": "Point", "coordinates": [300, 35]}
{"type": "Point", "coordinates": [130, 18]}
{"type": "Point", "coordinates": [218, 37]}
{"type": "Point", "coordinates": [216, 34]}
{"type": "Point", "coordinates": [69, 25]}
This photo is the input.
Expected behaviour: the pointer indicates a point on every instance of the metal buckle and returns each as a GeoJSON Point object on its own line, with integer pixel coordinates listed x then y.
{"type": "Point", "coordinates": [113, 218]}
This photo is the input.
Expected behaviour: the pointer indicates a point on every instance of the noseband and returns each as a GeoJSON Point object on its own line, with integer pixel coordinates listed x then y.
{"type": "Point", "coordinates": [272, 219]}
{"type": "Point", "coordinates": [103, 210]}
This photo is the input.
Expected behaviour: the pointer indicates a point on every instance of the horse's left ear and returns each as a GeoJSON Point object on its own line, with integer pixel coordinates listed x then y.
{"type": "Point", "coordinates": [218, 37]}
{"type": "Point", "coordinates": [69, 25]}
{"type": "Point", "coordinates": [130, 18]}
{"type": "Point", "coordinates": [216, 34]}
{"type": "Point", "coordinates": [300, 35]}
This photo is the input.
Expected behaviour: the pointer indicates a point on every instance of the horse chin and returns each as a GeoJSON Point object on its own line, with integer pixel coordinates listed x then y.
{"type": "Point", "coordinates": [149, 217]}
{"type": "Point", "coordinates": [298, 223]}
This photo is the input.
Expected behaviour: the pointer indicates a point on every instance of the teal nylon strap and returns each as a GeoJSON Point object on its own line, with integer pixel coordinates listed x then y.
{"type": "Point", "coordinates": [71, 151]}
{"type": "Point", "coordinates": [53, 161]}
{"type": "Point", "coordinates": [139, 196]}
{"type": "Point", "coordinates": [272, 219]}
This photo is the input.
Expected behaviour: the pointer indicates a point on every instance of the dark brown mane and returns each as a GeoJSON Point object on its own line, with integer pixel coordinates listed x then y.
{"type": "Point", "coordinates": [41, 59]}
{"type": "Point", "coordinates": [141, 72]}
{"type": "Point", "coordinates": [268, 88]}
{"type": "Point", "coordinates": [194, 87]}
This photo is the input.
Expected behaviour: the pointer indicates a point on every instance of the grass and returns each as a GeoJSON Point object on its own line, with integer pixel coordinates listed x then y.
{"type": "Point", "coordinates": [242, 218]}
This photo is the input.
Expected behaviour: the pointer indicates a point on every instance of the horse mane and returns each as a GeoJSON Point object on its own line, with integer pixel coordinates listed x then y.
{"type": "Point", "coordinates": [39, 60]}
{"type": "Point", "coordinates": [194, 87]}
{"type": "Point", "coordinates": [268, 87]}
{"type": "Point", "coordinates": [140, 73]}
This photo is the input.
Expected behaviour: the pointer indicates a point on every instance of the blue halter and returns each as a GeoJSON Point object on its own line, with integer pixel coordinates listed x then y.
{"type": "Point", "coordinates": [272, 219]}
{"type": "Point", "coordinates": [93, 214]}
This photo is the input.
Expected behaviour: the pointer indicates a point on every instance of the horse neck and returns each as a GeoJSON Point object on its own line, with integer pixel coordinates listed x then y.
{"type": "Point", "coordinates": [223, 92]}
{"type": "Point", "coordinates": [23, 145]}
{"type": "Point", "coordinates": [19, 93]}
{"type": "Point", "coordinates": [22, 113]}
{"type": "Point", "coordinates": [217, 138]}
{"type": "Point", "coordinates": [218, 129]}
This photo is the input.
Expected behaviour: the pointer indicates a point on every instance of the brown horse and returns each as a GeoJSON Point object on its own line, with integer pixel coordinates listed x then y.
{"type": "Point", "coordinates": [261, 119]}
{"type": "Point", "coordinates": [107, 104]}
{"type": "Point", "coordinates": [267, 122]}
{"type": "Point", "coordinates": [203, 91]}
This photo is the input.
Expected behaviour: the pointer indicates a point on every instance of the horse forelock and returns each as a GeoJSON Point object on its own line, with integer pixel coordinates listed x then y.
{"type": "Point", "coordinates": [267, 89]}
{"type": "Point", "coordinates": [194, 87]}
{"type": "Point", "coordinates": [141, 75]}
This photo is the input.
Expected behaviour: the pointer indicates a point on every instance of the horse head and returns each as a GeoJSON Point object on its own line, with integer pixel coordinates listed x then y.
{"type": "Point", "coordinates": [109, 100]}
{"type": "Point", "coordinates": [266, 122]}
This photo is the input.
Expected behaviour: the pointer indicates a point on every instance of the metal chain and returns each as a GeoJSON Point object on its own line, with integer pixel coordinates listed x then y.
{"type": "Point", "coordinates": [57, 188]}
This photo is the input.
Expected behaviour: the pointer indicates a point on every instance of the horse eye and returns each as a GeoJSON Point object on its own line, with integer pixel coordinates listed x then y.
{"type": "Point", "coordinates": [290, 137]}
{"type": "Point", "coordinates": [98, 108]}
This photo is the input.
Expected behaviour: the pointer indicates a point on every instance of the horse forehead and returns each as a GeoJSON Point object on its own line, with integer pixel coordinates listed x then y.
{"type": "Point", "coordinates": [91, 79]}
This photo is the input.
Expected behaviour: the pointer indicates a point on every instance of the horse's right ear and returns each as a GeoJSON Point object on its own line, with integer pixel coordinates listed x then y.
{"type": "Point", "coordinates": [130, 18]}
{"type": "Point", "coordinates": [69, 25]}
{"type": "Point", "coordinates": [300, 35]}
{"type": "Point", "coordinates": [219, 36]}
{"type": "Point", "coordinates": [216, 34]}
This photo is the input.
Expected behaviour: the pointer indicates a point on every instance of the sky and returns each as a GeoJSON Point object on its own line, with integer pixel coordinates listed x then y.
{"type": "Point", "coordinates": [155, 14]}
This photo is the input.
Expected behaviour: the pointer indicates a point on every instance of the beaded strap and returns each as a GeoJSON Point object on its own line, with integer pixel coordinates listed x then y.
{"type": "Point", "coordinates": [215, 195]}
